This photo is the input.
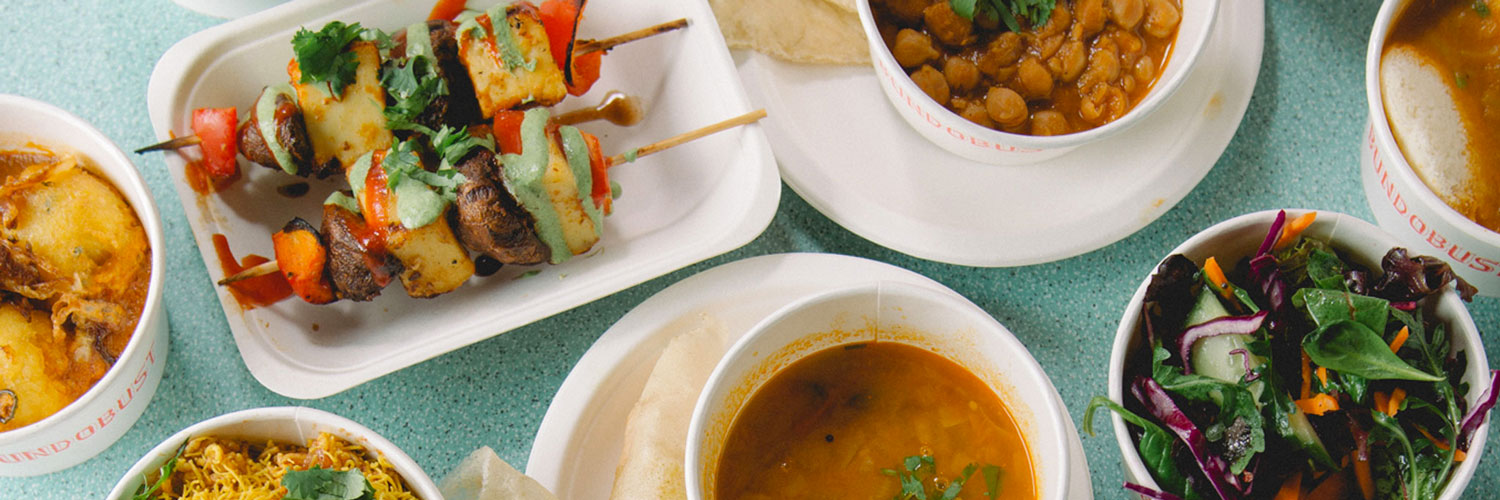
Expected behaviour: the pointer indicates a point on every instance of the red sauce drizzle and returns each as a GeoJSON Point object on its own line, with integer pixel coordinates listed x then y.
{"type": "Point", "coordinates": [254, 292]}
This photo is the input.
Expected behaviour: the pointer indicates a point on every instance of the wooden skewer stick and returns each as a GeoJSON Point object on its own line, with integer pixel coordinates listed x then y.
{"type": "Point", "coordinates": [270, 267]}
{"type": "Point", "coordinates": [259, 270]}
{"type": "Point", "coordinates": [586, 46]}
{"type": "Point", "coordinates": [679, 139]}
{"type": "Point", "coordinates": [176, 143]}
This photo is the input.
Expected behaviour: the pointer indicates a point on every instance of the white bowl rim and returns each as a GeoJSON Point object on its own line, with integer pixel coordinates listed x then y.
{"type": "Point", "coordinates": [150, 221]}
{"type": "Point", "coordinates": [1375, 102]}
{"type": "Point", "coordinates": [1462, 325]}
{"type": "Point", "coordinates": [412, 473]}
{"type": "Point", "coordinates": [1158, 95]}
{"type": "Point", "coordinates": [1049, 416]}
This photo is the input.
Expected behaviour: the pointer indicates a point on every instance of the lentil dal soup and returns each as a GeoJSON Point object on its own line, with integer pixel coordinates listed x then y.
{"type": "Point", "coordinates": [844, 423]}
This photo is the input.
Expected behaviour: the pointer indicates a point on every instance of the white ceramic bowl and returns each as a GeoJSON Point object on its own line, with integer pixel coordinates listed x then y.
{"type": "Point", "coordinates": [1402, 203]}
{"type": "Point", "coordinates": [1230, 240]}
{"type": "Point", "coordinates": [892, 312]}
{"type": "Point", "coordinates": [943, 127]}
{"type": "Point", "coordinates": [98, 418]}
{"type": "Point", "coordinates": [289, 424]}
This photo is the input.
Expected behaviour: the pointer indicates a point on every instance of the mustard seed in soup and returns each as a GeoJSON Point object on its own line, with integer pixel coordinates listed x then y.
{"type": "Point", "coordinates": [842, 423]}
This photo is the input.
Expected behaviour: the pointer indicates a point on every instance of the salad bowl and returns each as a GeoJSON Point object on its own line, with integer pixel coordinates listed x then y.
{"type": "Point", "coordinates": [1359, 244]}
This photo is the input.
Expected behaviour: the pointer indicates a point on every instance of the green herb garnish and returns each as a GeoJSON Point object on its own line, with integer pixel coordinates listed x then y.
{"type": "Point", "coordinates": [1482, 8]}
{"type": "Point", "coordinates": [1461, 79]}
{"type": "Point", "coordinates": [921, 470]}
{"type": "Point", "coordinates": [327, 484]}
{"type": "Point", "coordinates": [322, 58]}
{"type": "Point", "coordinates": [402, 164]}
{"type": "Point", "coordinates": [162, 474]}
{"type": "Point", "coordinates": [1035, 12]}
{"type": "Point", "coordinates": [452, 145]}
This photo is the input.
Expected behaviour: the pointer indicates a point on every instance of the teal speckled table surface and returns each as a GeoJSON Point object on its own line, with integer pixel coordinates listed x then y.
{"type": "Point", "coordinates": [1297, 147]}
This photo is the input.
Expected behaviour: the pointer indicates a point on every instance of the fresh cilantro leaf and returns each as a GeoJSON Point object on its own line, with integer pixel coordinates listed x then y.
{"type": "Point", "coordinates": [454, 144]}
{"type": "Point", "coordinates": [383, 40]}
{"type": "Point", "coordinates": [327, 484]}
{"type": "Point", "coordinates": [991, 475]}
{"type": "Point", "coordinates": [413, 84]}
{"type": "Point", "coordinates": [162, 474]}
{"type": "Point", "coordinates": [1035, 12]}
{"type": "Point", "coordinates": [964, 8]}
{"type": "Point", "coordinates": [322, 58]}
{"type": "Point", "coordinates": [1461, 79]}
{"type": "Point", "coordinates": [1482, 8]}
{"type": "Point", "coordinates": [402, 165]}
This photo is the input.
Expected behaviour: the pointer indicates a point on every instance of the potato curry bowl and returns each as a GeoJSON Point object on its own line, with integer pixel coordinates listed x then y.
{"type": "Point", "coordinates": [1021, 81]}
{"type": "Point", "coordinates": [82, 339]}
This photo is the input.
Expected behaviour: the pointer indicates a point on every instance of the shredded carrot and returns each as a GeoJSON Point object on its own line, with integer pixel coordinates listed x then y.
{"type": "Point", "coordinates": [1400, 339]}
{"type": "Point", "coordinates": [1306, 376]}
{"type": "Point", "coordinates": [1323, 376]}
{"type": "Point", "coordinates": [1334, 488]}
{"type": "Point", "coordinates": [1362, 476]}
{"type": "Point", "coordinates": [1459, 455]}
{"type": "Point", "coordinates": [1216, 275]}
{"type": "Point", "coordinates": [1382, 401]}
{"type": "Point", "coordinates": [1318, 404]}
{"type": "Point", "coordinates": [1291, 489]}
{"type": "Point", "coordinates": [1293, 229]}
{"type": "Point", "coordinates": [1397, 396]}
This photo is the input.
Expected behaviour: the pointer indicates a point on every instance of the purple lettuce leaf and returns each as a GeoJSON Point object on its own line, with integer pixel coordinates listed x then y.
{"type": "Point", "coordinates": [1475, 418]}
{"type": "Point", "coordinates": [1169, 297]}
{"type": "Point", "coordinates": [1161, 406]}
{"type": "Point", "coordinates": [1412, 278]}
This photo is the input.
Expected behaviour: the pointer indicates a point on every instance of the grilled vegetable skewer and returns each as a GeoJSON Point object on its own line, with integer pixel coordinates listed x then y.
{"type": "Point", "coordinates": [532, 216]}
{"type": "Point", "coordinates": [456, 75]}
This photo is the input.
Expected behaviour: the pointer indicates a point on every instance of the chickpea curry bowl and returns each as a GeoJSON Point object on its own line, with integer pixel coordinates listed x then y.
{"type": "Point", "coordinates": [1030, 76]}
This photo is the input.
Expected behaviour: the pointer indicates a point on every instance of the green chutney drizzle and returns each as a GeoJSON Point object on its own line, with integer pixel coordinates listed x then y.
{"type": "Point", "coordinates": [524, 175]}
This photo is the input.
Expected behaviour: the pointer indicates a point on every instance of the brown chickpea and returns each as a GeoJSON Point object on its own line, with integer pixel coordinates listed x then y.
{"type": "Point", "coordinates": [1034, 80]}
{"type": "Point", "coordinates": [1003, 51]}
{"type": "Point", "coordinates": [1048, 123]}
{"type": "Point", "coordinates": [1005, 107]}
{"type": "Point", "coordinates": [1069, 61]}
{"type": "Point", "coordinates": [1127, 13]}
{"type": "Point", "coordinates": [1144, 69]}
{"type": "Point", "coordinates": [1128, 83]}
{"type": "Point", "coordinates": [908, 12]}
{"type": "Point", "coordinates": [973, 110]}
{"type": "Point", "coordinates": [1103, 104]}
{"type": "Point", "coordinates": [1161, 18]}
{"type": "Point", "coordinates": [1091, 17]}
{"type": "Point", "coordinates": [1058, 22]}
{"type": "Point", "coordinates": [962, 75]}
{"type": "Point", "coordinates": [931, 81]}
{"type": "Point", "coordinates": [1048, 46]}
{"type": "Point", "coordinates": [1104, 68]}
{"type": "Point", "coordinates": [1127, 43]}
{"type": "Point", "coordinates": [913, 48]}
{"type": "Point", "coordinates": [949, 27]}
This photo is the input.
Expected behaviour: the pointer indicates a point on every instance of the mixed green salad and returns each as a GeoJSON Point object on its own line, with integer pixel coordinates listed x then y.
{"type": "Point", "coordinates": [1299, 374]}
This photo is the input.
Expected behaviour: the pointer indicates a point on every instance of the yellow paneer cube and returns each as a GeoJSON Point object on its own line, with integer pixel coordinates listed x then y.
{"type": "Point", "coordinates": [435, 263]}
{"type": "Point", "coordinates": [499, 88]}
{"type": "Point", "coordinates": [562, 189]}
{"type": "Point", "coordinates": [352, 124]}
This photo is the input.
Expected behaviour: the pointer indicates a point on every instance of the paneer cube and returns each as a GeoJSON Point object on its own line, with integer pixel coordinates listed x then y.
{"type": "Point", "coordinates": [499, 86]}
{"type": "Point", "coordinates": [347, 126]}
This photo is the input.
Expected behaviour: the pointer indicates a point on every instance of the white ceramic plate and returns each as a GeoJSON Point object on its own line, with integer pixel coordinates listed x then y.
{"type": "Point", "coordinates": [577, 446]}
{"type": "Point", "coordinates": [844, 149]}
{"type": "Point", "coordinates": [679, 207]}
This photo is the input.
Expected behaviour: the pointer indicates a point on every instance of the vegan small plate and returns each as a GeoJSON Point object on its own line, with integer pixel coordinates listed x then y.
{"type": "Point", "coordinates": [286, 424]}
{"type": "Point", "coordinates": [682, 206]}
{"type": "Point", "coordinates": [1381, 413]}
{"type": "Point", "coordinates": [942, 126]}
{"type": "Point", "coordinates": [896, 317]}
{"type": "Point", "coordinates": [99, 417]}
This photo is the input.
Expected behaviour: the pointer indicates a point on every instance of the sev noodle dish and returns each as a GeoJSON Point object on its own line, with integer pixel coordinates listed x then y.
{"type": "Point", "coordinates": [74, 268]}
{"type": "Point", "coordinates": [1440, 83]}
{"type": "Point", "coordinates": [212, 467]}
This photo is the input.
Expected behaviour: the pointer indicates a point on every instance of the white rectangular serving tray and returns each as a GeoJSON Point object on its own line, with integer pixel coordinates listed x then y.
{"type": "Point", "coordinates": [677, 208]}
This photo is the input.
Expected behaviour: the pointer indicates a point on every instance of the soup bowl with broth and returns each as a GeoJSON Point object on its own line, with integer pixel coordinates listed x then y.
{"type": "Point", "coordinates": [1430, 159]}
{"type": "Point", "coordinates": [861, 391]}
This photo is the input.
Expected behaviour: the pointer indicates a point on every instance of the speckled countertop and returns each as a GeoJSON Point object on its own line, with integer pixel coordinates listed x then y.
{"type": "Point", "coordinates": [1297, 147]}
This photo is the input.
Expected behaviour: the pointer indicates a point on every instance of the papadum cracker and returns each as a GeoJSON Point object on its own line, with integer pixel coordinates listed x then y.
{"type": "Point", "coordinates": [656, 432]}
{"type": "Point", "coordinates": [805, 31]}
